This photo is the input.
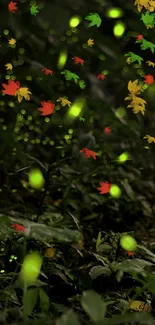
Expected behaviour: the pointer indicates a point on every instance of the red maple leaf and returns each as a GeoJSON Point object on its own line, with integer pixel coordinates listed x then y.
{"type": "Point", "coordinates": [47, 71]}
{"type": "Point", "coordinates": [107, 129]}
{"type": "Point", "coordinates": [88, 153]}
{"type": "Point", "coordinates": [18, 227]}
{"type": "Point", "coordinates": [104, 187]}
{"type": "Point", "coordinates": [139, 37]}
{"type": "Point", "coordinates": [130, 253]}
{"type": "Point", "coordinates": [149, 79]}
{"type": "Point", "coordinates": [12, 6]}
{"type": "Point", "coordinates": [11, 87]}
{"type": "Point", "coordinates": [78, 60]}
{"type": "Point", "coordinates": [47, 108]}
{"type": "Point", "coordinates": [101, 76]}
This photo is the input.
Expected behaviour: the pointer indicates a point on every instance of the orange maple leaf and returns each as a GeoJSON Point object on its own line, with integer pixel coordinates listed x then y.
{"type": "Point", "coordinates": [47, 108]}
{"type": "Point", "coordinates": [88, 153]}
{"type": "Point", "coordinates": [130, 253]}
{"type": "Point", "coordinates": [47, 71]}
{"type": "Point", "coordinates": [78, 60]}
{"type": "Point", "coordinates": [12, 6]}
{"type": "Point", "coordinates": [104, 187]}
{"type": "Point", "coordinates": [11, 87]}
{"type": "Point", "coordinates": [149, 79]}
{"type": "Point", "coordinates": [139, 37]}
{"type": "Point", "coordinates": [101, 76]}
{"type": "Point", "coordinates": [107, 129]}
{"type": "Point", "coordinates": [18, 227]}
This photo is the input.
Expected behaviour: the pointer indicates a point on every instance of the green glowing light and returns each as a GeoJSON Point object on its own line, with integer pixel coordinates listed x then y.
{"type": "Point", "coordinates": [31, 268]}
{"type": "Point", "coordinates": [6, 31]}
{"type": "Point", "coordinates": [74, 21]}
{"type": "Point", "coordinates": [36, 179]}
{"type": "Point", "coordinates": [76, 108]}
{"type": "Point", "coordinates": [128, 243]}
{"type": "Point", "coordinates": [115, 191]}
{"type": "Point", "coordinates": [123, 157]}
{"type": "Point", "coordinates": [62, 59]}
{"type": "Point", "coordinates": [119, 29]}
{"type": "Point", "coordinates": [120, 112]}
{"type": "Point", "coordinates": [114, 13]}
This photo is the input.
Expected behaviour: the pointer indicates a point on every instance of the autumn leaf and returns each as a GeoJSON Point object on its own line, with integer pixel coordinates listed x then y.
{"type": "Point", "coordinates": [139, 37]}
{"type": "Point", "coordinates": [70, 75]}
{"type": "Point", "coordinates": [104, 187]}
{"type": "Point", "coordinates": [90, 42]}
{"type": "Point", "coordinates": [133, 87]}
{"type": "Point", "coordinates": [94, 19]}
{"type": "Point", "coordinates": [107, 130]}
{"type": "Point", "coordinates": [12, 6]}
{"type": "Point", "coordinates": [47, 108]}
{"type": "Point", "coordinates": [149, 138]}
{"type": "Point", "coordinates": [47, 71]}
{"type": "Point", "coordinates": [18, 227]}
{"type": "Point", "coordinates": [77, 60]}
{"type": "Point", "coordinates": [101, 76]}
{"type": "Point", "coordinates": [9, 66]}
{"type": "Point", "coordinates": [64, 101]}
{"type": "Point", "coordinates": [12, 41]}
{"type": "Point", "coordinates": [23, 92]}
{"type": "Point", "coordinates": [88, 153]}
{"type": "Point", "coordinates": [150, 64]}
{"type": "Point", "coordinates": [11, 87]}
{"type": "Point", "coordinates": [149, 79]}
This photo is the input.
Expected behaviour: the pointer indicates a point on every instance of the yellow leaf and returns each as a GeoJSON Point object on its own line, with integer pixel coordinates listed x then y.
{"type": "Point", "coordinates": [23, 92]}
{"type": "Point", "coordinates": [50, 252]}
{"type": "Point", "coordinates": [138, 305]}
{"type": "Point", "coordinates": [9, 66]}
{"type": "Point", "coordinates": [149, 138]}
{"type": "Point", "coordinates": [12, 41]}
{"type": "Point", "coordinates": [150, 64]}
{"type": "Point", "coordinates": [64, 101]}
{"type": "Point", "coordinates": [133, 87]}
{"type": "Point", "coordinates": [90, 42]}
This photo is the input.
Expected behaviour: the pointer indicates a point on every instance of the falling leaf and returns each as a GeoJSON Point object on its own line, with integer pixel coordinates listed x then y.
{"type": "Point", "coordinates": [18, 227]}
{"type": "Point", "coordinates": [82, 119]}
{"type": "Point", "coordinates": [47, 71]}
{"type": "Point", "coordinates": [101, 76]}
{"type": "Point", "coordinates": [150, 64]}
{"type": "Point", "coordinates": [64, 101]}
{"type": "Point", "coordinates": [12, 6]}
{"type": "Point", "coordinates": [104, 187]}
{"type": "Point", "coordinates": [149, 138]}
{"type": "Point", "coordinates": [90, 42]}
{"type": "Point", "coordinates": [148, 19]}
{"type": "Point", "coordinates": [94, 19]}
{"type": "Point", "coordinates": [88, 153]}
{"type": "Point", "coordinates": [50, 252]}
{"type": "Point", "coordinates": [23, 92]}
{"type": "Point", "coordinates": [34, 10]}
{"type": "Point", "coordinates": [107, 129]}
{"type": "Point", "coordinates": [11, 87]}
{"type": "Point", "coordinates": [134, 57]}
{"type": "Point", "coordinates": [9, 66]}
{"type": "Point", "coordinates": [147, 45]}
{"type": "Point", "coordinates": [77, 60]}
{"type": "Point", "coordinates": [139, 37]}
{"type": "Point", "coordinates": [70, 75]}
{"type": "Point", "coordinates": [149, 79]}
{"type": "Point", "coordinates": [133, 87]}
{"type": "Point", "coordinates": [12, 41]}
{"type": "Point", "coordinates": [82, 84]}
{"type": "Point", "coordinates": [47, 108]}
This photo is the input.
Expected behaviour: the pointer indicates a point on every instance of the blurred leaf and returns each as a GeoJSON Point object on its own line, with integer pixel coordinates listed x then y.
{"type": "Point", "coordinates": [44, 300]}
{"type": "Point", "coordinates": [29, 300]}
{"type": "Point", "coordinates": [135, 265]}
{"type": "Point", "coordinates": [99, 270]}
{"type": "Point", "coordinates": [93, 305]}
{"type": "Point", "coordinates": [68, 318]}
{"type": "Point", "coordinates": [128, 189]}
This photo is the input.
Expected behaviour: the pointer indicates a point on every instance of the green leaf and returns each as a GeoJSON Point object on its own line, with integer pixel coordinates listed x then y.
{"type": "Point", "coordinates": [99, 270]}
{"type": "Point", "coordinates": [148, 19]}
{"type": "Point", "coordinates": [147, 45]}
{"type": "Point", "coordinates": [135, 265]}
{"type": "Point", "coordinates": [94, 19]}
{"type": "Point", "coordinates": [44, 300]}
{"type": "Point", "coordinates": [68, 318]}
{"type": "Point", "coordinates": [82, 84]}
{"type": "Point", "coordinates": [29, 301]}
{"type": "Point", "coordinates": [93, 305]}
{"type": "Point", "coordinates": [128, 189]}
{"type": "Point", "coordinates": [70, 76]}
